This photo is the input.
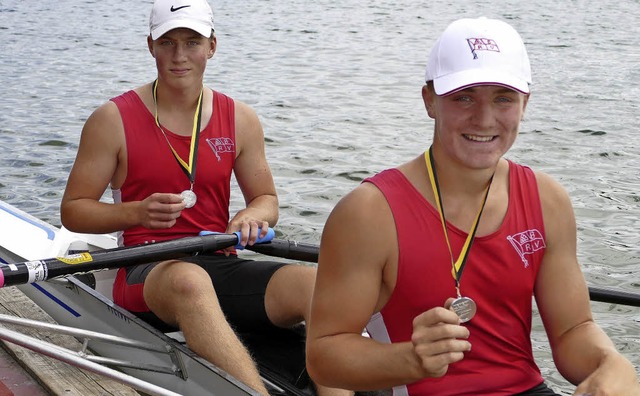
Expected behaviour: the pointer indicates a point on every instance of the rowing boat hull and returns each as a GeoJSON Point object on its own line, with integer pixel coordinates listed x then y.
{"type": "Point", "coordinates": [71, 302]}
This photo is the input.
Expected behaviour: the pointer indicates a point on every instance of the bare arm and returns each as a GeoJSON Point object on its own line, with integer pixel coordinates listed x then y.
{"type": "Point", "coordinates": [583, 353]}
{"type": "Point", "coordinates": [101, 159]}
{"type": "Point", "coordinates": [357, 257]}
{"type": "Point", "coordinates": [254, 177]}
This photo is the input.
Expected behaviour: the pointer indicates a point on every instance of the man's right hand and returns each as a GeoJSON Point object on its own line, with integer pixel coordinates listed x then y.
{"type": "Point", "coordinates": [160, 210]}
{"type": "Point", "coordinates": [439, 340]}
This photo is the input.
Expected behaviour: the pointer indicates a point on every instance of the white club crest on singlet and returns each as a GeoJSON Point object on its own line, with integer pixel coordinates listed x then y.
{"type": "Point", "coordinates": [527, 242]}
{"type": "Point", "coordinates": [221, 145]}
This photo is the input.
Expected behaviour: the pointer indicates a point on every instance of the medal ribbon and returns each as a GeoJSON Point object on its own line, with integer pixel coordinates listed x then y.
{"type": "Point", "coordinates": [188, 168]}
{"type": "Point", "coordinates": [458, 265]}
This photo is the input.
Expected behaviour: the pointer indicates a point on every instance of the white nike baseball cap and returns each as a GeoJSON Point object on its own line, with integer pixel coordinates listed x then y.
{"type": "Point", "coordinates": [478, 51]}
{"type": "Point", "coordinates": [172, 14]}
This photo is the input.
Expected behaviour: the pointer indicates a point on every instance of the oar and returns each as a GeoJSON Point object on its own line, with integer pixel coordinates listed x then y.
{"type": "Point", "coordinates": [309, 252]}
{"type": "Point", "coordinates": [291, 250]}
{"type": "Point", "coordinates": [288, 249]}
{"type": "Point", "coordinates": [614, 296]}
{"type": "Point", "coordinates": [40, 270]}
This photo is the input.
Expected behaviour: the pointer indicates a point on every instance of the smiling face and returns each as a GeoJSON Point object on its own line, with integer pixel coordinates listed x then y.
{"type": "Point", "coordinates": [181, 55]}
{"type": "Point", "coordinates": [476, 126]}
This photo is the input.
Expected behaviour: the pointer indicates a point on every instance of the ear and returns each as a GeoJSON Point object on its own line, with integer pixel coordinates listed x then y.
{"type": "Point", "coordinates": [524, 104]}
{"type": "Point", "coordinates": [150, 45]}
{"type": "Point", "coordinates": [213, 44]}
{"type": "Point", "coordinates": [428, 97]}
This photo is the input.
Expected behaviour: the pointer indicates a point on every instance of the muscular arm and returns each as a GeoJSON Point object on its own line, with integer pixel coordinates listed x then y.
{"type": "Point", "coordinates": [580, 347]}
{"type": "Point", "coordinates": [253, 175]}
{"type": "Point", "coordinates": [352, 283]}
{"type": "Point", "coordinates": [99, 161]}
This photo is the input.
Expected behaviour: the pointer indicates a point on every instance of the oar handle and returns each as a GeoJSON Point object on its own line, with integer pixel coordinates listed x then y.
{"type": "Point", "coordinates": [270, 234]}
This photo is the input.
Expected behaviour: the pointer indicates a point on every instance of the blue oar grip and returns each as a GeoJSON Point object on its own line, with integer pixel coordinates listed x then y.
{"type": "Point", "coordinates": [270, 235]}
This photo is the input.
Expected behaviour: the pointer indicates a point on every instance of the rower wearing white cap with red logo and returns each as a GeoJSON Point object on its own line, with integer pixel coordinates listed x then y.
{"type": "Point", "coordinates": [479, 52]}
{"type": "Point", "coordinates": [464, 239]}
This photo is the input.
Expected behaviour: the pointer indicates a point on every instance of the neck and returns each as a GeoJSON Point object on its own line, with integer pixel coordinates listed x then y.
{"type": "Point", "coordinates": [456, 179]}
{"type": "Point", "coordinates": [177, 98]}
{"type": "Point", "coordinates": [180, 116]}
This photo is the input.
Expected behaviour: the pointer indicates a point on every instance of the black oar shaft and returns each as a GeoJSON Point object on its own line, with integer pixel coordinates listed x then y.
{"type": "Point", "coordinates": [288, 249]}
{"type": "Point", "coordinates": [39, 270]}
{"type": "Point", "coordinates": [614, 296]}
{"type": "Point", "coordinates": [309, 252]}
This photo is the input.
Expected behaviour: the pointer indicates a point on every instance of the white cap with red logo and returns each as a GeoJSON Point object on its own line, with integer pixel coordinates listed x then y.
{"type": "Point", "coordinates": [478, 51]}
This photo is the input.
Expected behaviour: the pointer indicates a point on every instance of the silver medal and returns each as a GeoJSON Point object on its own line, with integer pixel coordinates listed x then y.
{"type": "Point", "coordinates": [464, 307]}
{"type": "Point", "coordinates": [189, 198]}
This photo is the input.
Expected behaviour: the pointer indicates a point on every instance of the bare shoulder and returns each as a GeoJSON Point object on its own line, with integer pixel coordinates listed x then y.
{"type": "Point", "coordinates": [362, 220]}
{"type": "Point", "coordinates": [104, 125]}
{"type": "Point", "coordinates": [246, 118]}
{"type": "Point", "coordinates": [106, 111]}
{"type": "Point", "coordinates": [557, 211]}
{"type": "Point", "coordinates": [359, 245]}
{"type": "Point", "coordinates": [552, 194]}
{"type": "Point", "coordinates": [108, 115]}
{"type": "Point", "coordinates": [242, 108]}
{"type": "Point", "coordinates": [249, 132]}
{"type": "Point", "coordinates": [363, 201]}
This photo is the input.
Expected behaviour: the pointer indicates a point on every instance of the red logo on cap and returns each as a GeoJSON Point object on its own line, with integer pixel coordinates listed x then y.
{"type": "Point", "coordinates": [482, 44]}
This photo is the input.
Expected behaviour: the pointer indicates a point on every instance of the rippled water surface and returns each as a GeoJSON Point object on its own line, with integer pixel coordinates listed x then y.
{"type": "Point", "coordinates": [337, 86]}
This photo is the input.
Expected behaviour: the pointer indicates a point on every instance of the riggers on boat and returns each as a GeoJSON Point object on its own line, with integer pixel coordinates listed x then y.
{"type": "Point", "coordinates": [122, 346]}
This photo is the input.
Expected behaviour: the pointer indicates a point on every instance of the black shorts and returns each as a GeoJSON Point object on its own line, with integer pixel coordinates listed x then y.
{"type": "Point", "coordinates": [540, 390]}
{"type": "Point", "coordinates": [240, 285]}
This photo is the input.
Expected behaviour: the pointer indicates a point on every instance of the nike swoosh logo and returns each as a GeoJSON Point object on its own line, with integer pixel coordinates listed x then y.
{"type": "Point", "coordinates": [178, 8]}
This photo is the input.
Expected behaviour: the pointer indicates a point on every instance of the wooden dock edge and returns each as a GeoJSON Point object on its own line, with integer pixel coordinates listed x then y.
{"type": "Point", "coordinates": [58, 378]}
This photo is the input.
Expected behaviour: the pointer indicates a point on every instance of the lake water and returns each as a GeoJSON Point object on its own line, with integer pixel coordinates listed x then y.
{"type": "Point", "coordinates": [337, 87]}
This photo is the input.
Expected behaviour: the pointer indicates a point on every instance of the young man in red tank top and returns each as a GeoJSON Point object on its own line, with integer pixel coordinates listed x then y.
{"type": "Point", "coordinates": [140, 144]}
{"type": "Point", "coordinates": [394, 250]}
